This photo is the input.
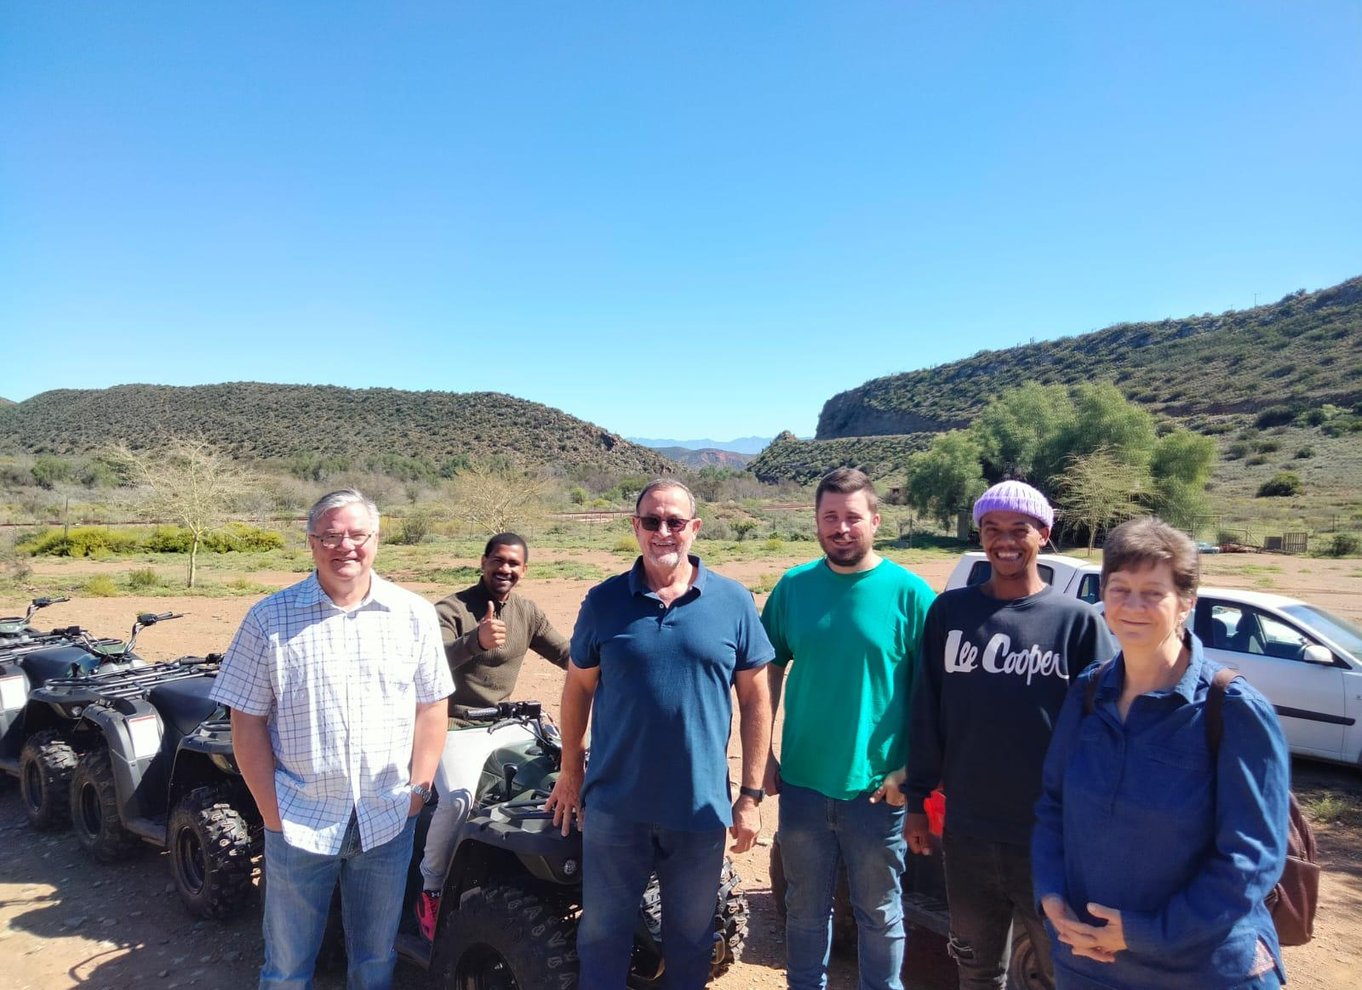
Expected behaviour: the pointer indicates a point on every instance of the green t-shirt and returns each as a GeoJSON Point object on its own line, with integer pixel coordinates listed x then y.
{"type": "Point", "coordinates": [853, 640]}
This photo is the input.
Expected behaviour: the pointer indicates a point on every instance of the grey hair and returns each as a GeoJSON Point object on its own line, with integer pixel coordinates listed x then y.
{"type": "Point", "coordinates": [663, 484]}
{"type": "Point", "coordinates": [338, 500]}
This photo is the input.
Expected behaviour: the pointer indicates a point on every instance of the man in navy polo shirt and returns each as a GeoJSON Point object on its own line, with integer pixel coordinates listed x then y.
{"type": "Point", "coordinates": [655, 652]}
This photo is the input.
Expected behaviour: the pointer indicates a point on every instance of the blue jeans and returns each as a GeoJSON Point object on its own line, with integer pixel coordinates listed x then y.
{"type": "Point", "coordinates": [298, 890]}
{"type": "Point", "coordinates": [987, 883]}
{"type": "Point", "coordinates": [618, 856]}
{"type": "Point", "coordinates": [816, 834]}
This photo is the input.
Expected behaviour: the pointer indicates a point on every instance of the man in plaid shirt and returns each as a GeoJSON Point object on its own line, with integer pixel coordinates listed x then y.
{"type": "Point", "coordinates": [337, 688]}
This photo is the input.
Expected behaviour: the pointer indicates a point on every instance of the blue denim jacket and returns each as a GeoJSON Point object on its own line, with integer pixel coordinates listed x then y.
{"type": "Point", "coordinates": [1137, 816]}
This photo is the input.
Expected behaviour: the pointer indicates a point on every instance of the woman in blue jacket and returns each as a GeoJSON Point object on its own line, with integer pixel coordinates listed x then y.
{"type": "Point", "coordinates": [1154, 846]}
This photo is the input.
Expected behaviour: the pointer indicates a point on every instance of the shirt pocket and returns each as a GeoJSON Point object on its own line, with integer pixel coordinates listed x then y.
{"type": "Point", "coordinates": [1170, 777]}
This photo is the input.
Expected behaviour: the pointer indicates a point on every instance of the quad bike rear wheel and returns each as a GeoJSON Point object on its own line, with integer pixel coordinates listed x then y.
{"type": "Point", "coordinates": [94, 809]}
{"type": "Point", "coordinates": [210, 853]}
{"type": "Point", "coordinates": [45, 767]}
{"type": "Point", "coordinates": [507, 938]}
{"type": "Point", "coordinates": [1023, 970]}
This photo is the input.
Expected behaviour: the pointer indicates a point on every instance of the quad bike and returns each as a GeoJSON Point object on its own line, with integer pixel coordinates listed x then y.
{"type": "Point", "coordinates": [29, 660]}
{"type": "Point", "coordinates": [16, 631]}
{"type": "Point", "coordinates": [512, 893]}
{"type": "Point", "coordinates": [924, 904]}
{"type": "Point", "coordinates": [156, 767]}
{"type": "Point", "coordinates": [38, 746]}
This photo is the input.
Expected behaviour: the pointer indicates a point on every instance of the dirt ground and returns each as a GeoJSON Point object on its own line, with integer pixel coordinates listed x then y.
{"type": "Point", "coordinates": [67, 922]}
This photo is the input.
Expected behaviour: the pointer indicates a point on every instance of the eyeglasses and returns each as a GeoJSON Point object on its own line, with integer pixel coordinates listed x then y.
{"type": "Point", "coordinates": [653, 523]}
{"type": "Point", "coordinates": [334, 541]}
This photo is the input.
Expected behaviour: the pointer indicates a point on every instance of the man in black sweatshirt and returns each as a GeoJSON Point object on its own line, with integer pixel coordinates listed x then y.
{"type": "Point", "coordinates": [995, 666]}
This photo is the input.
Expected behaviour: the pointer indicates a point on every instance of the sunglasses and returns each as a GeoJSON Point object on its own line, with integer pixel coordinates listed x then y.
{"type": "Point", "coordinates": [653, 523]}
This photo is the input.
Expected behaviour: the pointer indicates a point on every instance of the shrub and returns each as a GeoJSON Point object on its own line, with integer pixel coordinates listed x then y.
{"type": "Point", "coordinates": [1255, 460]}
{"type": "Point", "coordinates": [100, 586]}
{"type": "Point", "coordinates": [1345, 545]}
{"type": "Point", "coordinates": [411, 530]}
{"type": "Point", "coordinates": [1267, 446]}
{"type": "Point", "coordinates": [1304, 452]}
{"type": "Point", "coordinates": [83, 541]}
{"type": "Point", "coordinates": [1236, 450]}
{"type": "Point", "coordinates": [1280, 484]}
{"type": "Point", "coordinates": [742, 527]}
{"type": "Point", "coordinates": [144, 579]}
{"type": "Point", "coordinates": [240, 537]}
{"type": "Point", "coordinates": [1275, 416]}
{"type": "Point", "coordinates": [168, 539]}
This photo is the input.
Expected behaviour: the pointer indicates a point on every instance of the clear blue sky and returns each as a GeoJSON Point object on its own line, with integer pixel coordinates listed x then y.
{"type": "Point", "coordinates": [671, 219]}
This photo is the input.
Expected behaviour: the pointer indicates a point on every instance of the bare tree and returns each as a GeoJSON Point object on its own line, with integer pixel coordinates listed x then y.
{"type": "Point", "coordinates": [1100, 489]}
{"type": "Point", "coordinates": [189, 481]}
{"type": "Point", "coordinates": [496, 500]}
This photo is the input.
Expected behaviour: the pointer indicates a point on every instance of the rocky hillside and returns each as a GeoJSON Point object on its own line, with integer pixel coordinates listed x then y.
{"type": "Point", "coordinates": [262, 421]}
{"type": "Point", "coordinates": [1303, 351]}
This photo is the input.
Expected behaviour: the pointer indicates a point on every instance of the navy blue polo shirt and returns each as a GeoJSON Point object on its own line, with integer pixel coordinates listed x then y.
{"type": "Point", "coordinates": [662, 710]}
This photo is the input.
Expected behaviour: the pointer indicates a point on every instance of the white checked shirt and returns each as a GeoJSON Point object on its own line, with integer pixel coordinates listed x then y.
{"type": "Point", "coordinates": [340, 688]}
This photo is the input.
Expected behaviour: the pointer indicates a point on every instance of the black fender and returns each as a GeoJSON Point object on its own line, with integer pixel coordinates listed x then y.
{"type": "Point", "coordinates": [134, 735]}
{"type": "Point", "coordinates": [525, 830]}
{"type": "Point", "coordinates": [204, 757]}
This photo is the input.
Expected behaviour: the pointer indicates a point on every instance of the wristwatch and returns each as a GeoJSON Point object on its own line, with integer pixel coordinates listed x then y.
{"type": "Point", "coordinates": [755, 793]}
{"type": "Point", "coordinates": [423, 791]}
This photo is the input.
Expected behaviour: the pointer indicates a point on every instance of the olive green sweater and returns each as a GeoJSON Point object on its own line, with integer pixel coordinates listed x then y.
{"type": "Point", "coordinates": [484, 677]}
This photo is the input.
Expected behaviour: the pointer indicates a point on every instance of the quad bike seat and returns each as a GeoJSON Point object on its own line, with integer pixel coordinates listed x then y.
{"type": "Point", "coordinates": [183, 703]}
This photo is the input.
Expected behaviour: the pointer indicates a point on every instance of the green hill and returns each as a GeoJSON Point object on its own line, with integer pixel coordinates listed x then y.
{"type": "Point", "coordinates": [1213, 374]}
{"type": "Point", "coordinates": [262, 421]}
{"type": "Point", "coordinates": [1302, 351]}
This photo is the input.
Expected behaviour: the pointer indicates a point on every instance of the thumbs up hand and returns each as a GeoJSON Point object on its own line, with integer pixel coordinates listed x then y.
{"type": "Point", "coordinates": [491, 630]}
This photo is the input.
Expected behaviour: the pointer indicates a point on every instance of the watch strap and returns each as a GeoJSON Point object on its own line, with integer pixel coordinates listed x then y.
{"type": "Point", "coordinates": [755, 793]}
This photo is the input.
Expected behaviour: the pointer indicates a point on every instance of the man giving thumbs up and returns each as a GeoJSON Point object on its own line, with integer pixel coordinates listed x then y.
{"type": "Point", "coordinates": [487, 631]}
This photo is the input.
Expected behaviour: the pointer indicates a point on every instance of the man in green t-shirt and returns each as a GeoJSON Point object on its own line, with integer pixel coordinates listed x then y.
{"type": "Point", "coordinates": [846, 627]}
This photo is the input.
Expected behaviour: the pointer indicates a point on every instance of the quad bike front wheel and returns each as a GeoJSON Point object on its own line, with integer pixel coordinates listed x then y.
{"type": "Point", "coordinates": [506, 938]}
{"type": "Point", "coordinates": [210, 853]}
{"type": "Point", "coordinates": [730, 927]}
{"type": "Point", "coordinates": [94, 809]}
{"type": "Point", "coordinates": [45, 766]}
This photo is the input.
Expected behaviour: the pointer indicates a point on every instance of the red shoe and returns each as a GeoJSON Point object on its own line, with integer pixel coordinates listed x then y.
{"type": "Point", "coordinates": [427, 912]}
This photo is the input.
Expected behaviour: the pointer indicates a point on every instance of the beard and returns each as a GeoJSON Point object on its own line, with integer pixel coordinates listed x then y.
{"type": "Point", "coordinates": [844, 554]}
{"type": "Point", "coordinates": [669, 558]}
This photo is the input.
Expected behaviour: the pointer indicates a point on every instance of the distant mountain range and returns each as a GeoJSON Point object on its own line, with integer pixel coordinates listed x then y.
{"type": "Point", "coordinates": [705, 457]}
{"type": "Point", "coordinates": [742, 445]}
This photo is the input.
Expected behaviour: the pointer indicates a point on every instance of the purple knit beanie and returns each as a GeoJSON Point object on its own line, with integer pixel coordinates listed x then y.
{"type": "Point", "coordinates": [1015, 496]}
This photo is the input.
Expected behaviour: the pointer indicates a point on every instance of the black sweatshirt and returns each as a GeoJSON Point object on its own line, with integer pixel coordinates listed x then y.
{"type": "Point", "coordinates": [990, 682]}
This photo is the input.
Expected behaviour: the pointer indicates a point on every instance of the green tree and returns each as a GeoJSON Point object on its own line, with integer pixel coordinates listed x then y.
{"type": "Point", "coordinates": [945, 479]}
{"type": "Point", "coordinates": [1016, 427]}
{"type": "Point", "coordinates": [1103, 419]}
{"type": "Point", "coordinates": [49, 471]}
{"type": "Point", "coordinates": [1180, 468]}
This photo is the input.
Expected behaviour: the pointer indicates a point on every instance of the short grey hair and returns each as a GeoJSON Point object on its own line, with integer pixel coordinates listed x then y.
{"type": "Point", "coordinates": [663, 484]}
{"type": "Point", "coordinates": [338, 500]}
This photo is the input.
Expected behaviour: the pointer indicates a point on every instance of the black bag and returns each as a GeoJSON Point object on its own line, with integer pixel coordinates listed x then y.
{"type": "Point", "coordinates": [1296, 897]}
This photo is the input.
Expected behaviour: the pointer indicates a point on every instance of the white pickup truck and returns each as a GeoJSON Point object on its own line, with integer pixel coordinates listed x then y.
{"type": "Point", "coordinates": [1080, 578]}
